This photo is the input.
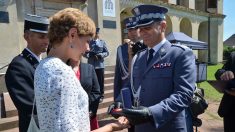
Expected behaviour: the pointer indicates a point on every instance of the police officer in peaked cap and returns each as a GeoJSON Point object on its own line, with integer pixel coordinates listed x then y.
{"type": "Point", "coordinates": [98, 51]}
{"type": "Point", "coordinates": [163, 76]}
{"type": "Point", "coordinates": [20, 73]}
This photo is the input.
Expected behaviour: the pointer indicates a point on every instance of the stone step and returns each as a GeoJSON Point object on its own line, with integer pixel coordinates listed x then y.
{"type": "Point", "coordinates": [108, 86]}
{"type": "Point", "coordinates": [102, 113]}
{"type": "Point", "coordinates": [108, 93]}
{"type": "Point", "coordinates": [16, 129]}
{"type": "Point", "coordinates": [108, 80]}
{"type": "Point", "coordinates": [3, 87]}
{"type": "Point", "coordinates": [108, 74]}
{"type": "Point", "coordinates": [9, 106]}
{"type": "Point", "coordinates": [8, 123]}
{"type": "Point", "coordinates": [106, 102]}
{"type": "Point", "coordinates": [110, 68]}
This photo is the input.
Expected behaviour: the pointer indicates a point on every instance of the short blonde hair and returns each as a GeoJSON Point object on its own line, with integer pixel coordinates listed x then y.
{"type": "Point", "coordinates": [64, 20]}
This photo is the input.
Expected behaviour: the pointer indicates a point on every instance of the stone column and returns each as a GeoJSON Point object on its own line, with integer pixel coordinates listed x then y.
{"type": "Point", "coordinates": [10, 34]}
{"type": "Point", "coordinates": [220, 6]}
{"type": "Point", "coordinates": [216, 40]}
{"type": "Point", "coordinates": [175, 23]}
{"type": "Point", "coordinates": [172, 1]}
{"type": "Point", "coordinates": [192, 4]}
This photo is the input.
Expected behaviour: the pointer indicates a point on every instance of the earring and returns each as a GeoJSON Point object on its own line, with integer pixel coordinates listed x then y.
{"type": "Point", "coordinates": [71, 46]}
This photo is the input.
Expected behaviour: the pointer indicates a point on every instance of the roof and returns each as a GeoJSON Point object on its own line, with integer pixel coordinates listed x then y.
{"type": "Point", "coordinates": [230, 41]}
{"type": "Point", "coordinates": [179, 37]}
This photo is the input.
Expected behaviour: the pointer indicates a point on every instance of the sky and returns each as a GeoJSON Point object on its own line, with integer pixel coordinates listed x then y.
{"type": "Point", "coordinates": [229, 21]}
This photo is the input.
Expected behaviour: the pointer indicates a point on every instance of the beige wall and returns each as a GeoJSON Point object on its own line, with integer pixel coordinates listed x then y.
{"type": "Point", "coordinates": [11, 41]}
{"type": "Point", "coordinates": [111, 36]}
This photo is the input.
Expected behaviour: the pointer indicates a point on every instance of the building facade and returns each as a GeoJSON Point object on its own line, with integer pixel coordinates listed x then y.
{"type": "Point", "coordinates": [199, 19]}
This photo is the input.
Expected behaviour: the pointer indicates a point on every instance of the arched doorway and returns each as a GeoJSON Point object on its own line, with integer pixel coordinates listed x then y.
{"type": "Point", "coordinates": [203, 36]}
{"type": "Point", "coordinates": [186, 26]}
{"type": "Point", "coordinates": [169, 25]}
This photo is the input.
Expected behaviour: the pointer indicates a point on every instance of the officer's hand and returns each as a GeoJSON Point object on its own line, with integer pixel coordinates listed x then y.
{"type": "Point", "coordinates": [92, 54]}
{"type": "Point", "coordinates": [230, 92]}
{"type": "Point", "coordinates": [130, 46]}
{"type": "Point", "coordinates": [98, 56]}
{"type": "Point", "coordinates": [115, 109]}
{"type": "Point", "coordinates": [228, 75]}
{"type": "Point", "coordinates": [138, 115]}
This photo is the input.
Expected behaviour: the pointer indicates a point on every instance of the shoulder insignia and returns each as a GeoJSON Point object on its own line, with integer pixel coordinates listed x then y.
{"type": "Point", "coordinates": [184, 47]}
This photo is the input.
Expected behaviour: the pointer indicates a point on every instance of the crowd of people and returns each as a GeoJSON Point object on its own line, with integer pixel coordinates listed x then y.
{"type": "Point", "coordinates": [66, 92]}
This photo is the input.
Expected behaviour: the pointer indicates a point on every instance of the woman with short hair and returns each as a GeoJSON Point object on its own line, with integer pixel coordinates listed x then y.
{"type": "Point", "coordinates": [62, 103]}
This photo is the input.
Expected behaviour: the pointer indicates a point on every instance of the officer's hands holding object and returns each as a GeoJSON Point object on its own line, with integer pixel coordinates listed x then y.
{"type": "Point", "coordinates": [115, 109]}
{"type": "Point", "coordinates": [92, 54]}
{"type": "Point", "coordinates": [227, 75]}
{"type": "Point", "coordinates": [130, 45]}
{"type": "Point", "coordinates": [138, 115]}
{"type": "Point", "coordinates": [97, 56]}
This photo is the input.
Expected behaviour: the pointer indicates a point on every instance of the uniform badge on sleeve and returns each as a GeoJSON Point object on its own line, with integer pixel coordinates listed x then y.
{"type": "Point", "coordinates": [161, 65]}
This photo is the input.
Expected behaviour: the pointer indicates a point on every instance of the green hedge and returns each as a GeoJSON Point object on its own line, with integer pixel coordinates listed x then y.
{"type": "Point", "coordinates": [227, 51]}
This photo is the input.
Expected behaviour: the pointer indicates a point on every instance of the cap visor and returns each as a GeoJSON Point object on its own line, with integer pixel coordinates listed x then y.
{"type": "Point", "coordinates": [145, 24]}
{"type": "Point", "coordinates": [38, 31]}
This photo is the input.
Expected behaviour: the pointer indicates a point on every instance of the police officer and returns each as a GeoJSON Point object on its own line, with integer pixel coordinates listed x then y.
{"type": "Point", "coordinates": [122, 58]}
{"type": "Point", "coordinates": [227, 104]}
{"type": "Point", "coordinates": [20, 73]}
{"type": "Point", "coordinates": [163, 76]}
{"type": "Point", "coordinates": [98, 51]}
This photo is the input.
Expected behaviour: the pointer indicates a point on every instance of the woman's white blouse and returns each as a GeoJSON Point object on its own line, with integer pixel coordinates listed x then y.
{"type": "Point", "coordinates": [62, 103]}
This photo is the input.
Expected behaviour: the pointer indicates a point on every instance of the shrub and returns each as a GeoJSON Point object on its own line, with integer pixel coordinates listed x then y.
{"type": "Point", "coordinates": [227, 51]}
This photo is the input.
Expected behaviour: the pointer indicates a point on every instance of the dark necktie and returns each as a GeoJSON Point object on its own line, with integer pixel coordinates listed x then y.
{"type": "Point", "coordinates": [151, 51]}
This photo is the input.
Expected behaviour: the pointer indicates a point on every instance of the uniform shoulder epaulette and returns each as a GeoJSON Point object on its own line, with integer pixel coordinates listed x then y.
{"type": "Point", "coordinates": [181, 46]}
{"type": "Point", "coordinates": [101, 40]}
{"type": "Point", "coordinates": [141, 51]}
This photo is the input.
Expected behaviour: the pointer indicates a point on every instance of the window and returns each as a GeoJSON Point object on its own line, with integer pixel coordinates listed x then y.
{"type": "Point", "coordinates": [212, 3]}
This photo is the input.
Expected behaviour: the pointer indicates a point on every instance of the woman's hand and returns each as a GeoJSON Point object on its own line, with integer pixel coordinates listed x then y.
{"type": "Point", "coordinates": [121, 124]}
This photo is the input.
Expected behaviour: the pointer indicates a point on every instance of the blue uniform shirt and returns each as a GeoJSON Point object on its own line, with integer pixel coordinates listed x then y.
{"type": "Point", "coordinates": [98, 51]}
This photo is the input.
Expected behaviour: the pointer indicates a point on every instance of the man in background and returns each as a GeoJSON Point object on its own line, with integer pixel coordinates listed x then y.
{"type": "Point", "coordinates": [20, 73]}
{"type": "Point", "coordinates": [227, 104]}
{"type": "Point", "coordinates": [124, 56]}
{"type": "Point", "coordinates": [98, 51]}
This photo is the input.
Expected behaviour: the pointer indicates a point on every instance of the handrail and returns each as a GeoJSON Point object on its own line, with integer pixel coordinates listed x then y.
{"type": "Point", "coordinates": [4, 66]}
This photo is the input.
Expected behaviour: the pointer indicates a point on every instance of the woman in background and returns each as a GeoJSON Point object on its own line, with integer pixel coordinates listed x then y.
{"type": "Point", "coordinates": [87, 76]}
{"type": "Point", "coordinates": [62, 103]}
